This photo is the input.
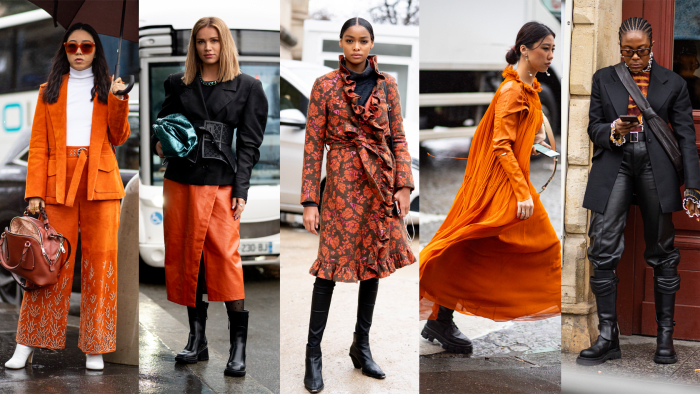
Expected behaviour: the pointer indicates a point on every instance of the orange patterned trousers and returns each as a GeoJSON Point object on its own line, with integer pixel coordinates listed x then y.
{"type": "Point", "coordinates": [44, 312]}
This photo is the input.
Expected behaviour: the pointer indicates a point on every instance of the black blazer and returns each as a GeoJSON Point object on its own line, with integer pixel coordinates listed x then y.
{"type": "Point", "coordinates": [668, 97]}
{"type": "Point", "coordinates": [242, 105]}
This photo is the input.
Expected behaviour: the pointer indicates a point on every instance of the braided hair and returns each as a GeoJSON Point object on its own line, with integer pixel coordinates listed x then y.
{"type": "Point", "coordinates": [635, 24]}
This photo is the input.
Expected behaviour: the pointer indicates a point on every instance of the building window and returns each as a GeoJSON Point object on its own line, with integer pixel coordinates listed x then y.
{"type": "Point", "coordinates": [686, 47]}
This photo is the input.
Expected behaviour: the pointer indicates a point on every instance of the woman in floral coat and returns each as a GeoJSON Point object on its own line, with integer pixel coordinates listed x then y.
{"type": "Point", "coordinates": [367, 190]}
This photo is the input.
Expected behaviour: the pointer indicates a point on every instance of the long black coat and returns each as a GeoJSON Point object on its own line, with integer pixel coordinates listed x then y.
{"type": "Point", "coordinates": [668, 96]}
{"type": "Point", "coordinates": [239, 103]}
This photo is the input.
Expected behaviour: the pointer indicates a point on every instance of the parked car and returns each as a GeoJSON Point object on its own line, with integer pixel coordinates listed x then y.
{"type": "Point", "coordinates": [296, 81]}
{"type": "Point", "coordinates": [13, 175]}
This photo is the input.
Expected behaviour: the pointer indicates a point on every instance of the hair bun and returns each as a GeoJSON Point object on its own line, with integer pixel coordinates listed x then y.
{"type": "Point", "coordinates": [512, 56]}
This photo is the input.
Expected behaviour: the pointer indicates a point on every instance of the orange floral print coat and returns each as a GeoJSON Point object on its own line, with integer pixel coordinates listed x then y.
{"type": "Point", "coordinates": [360, 239]}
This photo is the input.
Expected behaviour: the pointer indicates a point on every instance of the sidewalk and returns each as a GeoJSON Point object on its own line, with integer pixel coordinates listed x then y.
{"type": "Point", "coordinates": [58, 371]}
{"type": "Point", "coordinates": [161, 337]}
{"type": "Point", "coordinates": [509, 357]}
{"type": "Point", "coordinates": [636, 371]}
{"type": "Point", "coordinates": [392, 338]}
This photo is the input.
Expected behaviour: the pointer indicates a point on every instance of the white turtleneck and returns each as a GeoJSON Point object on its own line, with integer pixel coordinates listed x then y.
{"type": "Point", "coordinates": [79, 107]}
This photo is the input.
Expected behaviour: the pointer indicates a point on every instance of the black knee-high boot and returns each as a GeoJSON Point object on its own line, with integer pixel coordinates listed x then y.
{"type": "Point", "coordinates": [320, 305]}
{"type": "Point", "coordinates": [445, 330]}
{"type": "Point", "coordinates": [666, 283]}
{"type": "Point", "coordinates": [607, 347]}
{"type": "Point", "coordinates": [196, 348]}
{"type": "Point", "coordinates": [359, 350]}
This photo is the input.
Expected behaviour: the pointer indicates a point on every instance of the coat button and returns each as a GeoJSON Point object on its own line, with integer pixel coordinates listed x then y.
{"type": "Point", "coordinates": [649, 140]}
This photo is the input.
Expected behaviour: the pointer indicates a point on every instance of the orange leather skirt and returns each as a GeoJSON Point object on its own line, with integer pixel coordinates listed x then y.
{"type": "Point", "coordinates": [198, 222]}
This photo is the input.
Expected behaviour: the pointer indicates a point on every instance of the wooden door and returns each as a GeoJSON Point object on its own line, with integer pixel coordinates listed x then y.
{"type": "Point", "coordinates": [636, 289]}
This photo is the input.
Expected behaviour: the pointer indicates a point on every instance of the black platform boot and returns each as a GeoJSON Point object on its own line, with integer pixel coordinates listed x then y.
{"type": "Point", "coordinates": [446, 332]}
{"type": "Point", "coordinates": [607, 347]}
{"type": "Point", "coordinates": [320, 304]}
{"type": "Point", "coordinates": [359, 350]}
{"type": "Point", "coordinates": [666, 283]}
{"type": "Point", "coordinates": [196, 348]}
{"type": "Point", "coordinates": [238, 334]}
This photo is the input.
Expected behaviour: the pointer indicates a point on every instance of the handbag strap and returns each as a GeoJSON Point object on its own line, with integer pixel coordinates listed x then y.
{"type": "Point", "coordinates": [658, 126]}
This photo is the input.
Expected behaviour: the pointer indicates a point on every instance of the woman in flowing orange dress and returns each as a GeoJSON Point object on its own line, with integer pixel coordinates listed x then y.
{"type": "Point", "coordinates": [497, 255]}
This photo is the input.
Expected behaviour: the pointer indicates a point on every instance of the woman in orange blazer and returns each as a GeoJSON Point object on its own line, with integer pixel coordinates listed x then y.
{"type": "Point", "coordinates": [496, 255]}
{"type": "Point", "coordinates": [72, 171]}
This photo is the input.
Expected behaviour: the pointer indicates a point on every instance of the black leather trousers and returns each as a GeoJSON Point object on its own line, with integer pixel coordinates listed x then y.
{"type": "Point", "coordinates": [607, 229]}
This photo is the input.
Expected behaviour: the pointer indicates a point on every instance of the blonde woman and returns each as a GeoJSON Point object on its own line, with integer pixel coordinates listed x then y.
{"type": "Point", "coordinates": [205, 192]}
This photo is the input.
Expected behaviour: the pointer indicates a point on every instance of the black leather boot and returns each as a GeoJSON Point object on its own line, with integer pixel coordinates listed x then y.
{"type": "Point", "coordinates": [359, 350]}
{"type": "Point", "coordinates": [196, 348]}
{"type": "Point", "coordinates": [320, 304]}
{"type": "Point", "coordinates": [607, 347]}
{"type": "Point", "coordinates": [666, 283]}
{"type": "Point", "coordinates": [238, 334]}
{"type": "Point", "coordinates": [446, 332]}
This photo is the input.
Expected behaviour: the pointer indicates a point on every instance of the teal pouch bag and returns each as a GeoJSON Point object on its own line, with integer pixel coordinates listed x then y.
{"type": "Point", "coordinates": [176, 135]}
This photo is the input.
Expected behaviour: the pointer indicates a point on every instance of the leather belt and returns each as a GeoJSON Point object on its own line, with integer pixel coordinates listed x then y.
{"type": "Point", "coordinates": [637, 137]}
{"type": "Point", "coordinates": [76, 152]}
{"type": "Point", "coordinates": [82, 154]}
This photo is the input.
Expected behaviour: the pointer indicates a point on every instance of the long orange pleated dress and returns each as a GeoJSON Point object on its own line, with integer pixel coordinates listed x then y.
{"type": "Point", "coordinates": [483, 260]}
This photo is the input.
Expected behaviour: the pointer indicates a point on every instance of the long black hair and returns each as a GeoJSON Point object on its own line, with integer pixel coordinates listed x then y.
{"type": "Point", "coordinates": [635, 24]}
{"type": "Point", "coordinates": [530, 34]}
{"type": "Point", "coordinates": [61, 66]}
{"type": "Point", "coordinates": [357, 21]}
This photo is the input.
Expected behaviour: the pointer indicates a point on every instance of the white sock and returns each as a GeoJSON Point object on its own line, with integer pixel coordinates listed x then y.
{"type": "Point", "coordinates": [94, 361]}
{"type": "Point", "coordinates": [23, 354]}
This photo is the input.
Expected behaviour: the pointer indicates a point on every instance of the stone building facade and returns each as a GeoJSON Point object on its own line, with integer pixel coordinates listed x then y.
{"type": "Point", "coordinates": [594, 45]}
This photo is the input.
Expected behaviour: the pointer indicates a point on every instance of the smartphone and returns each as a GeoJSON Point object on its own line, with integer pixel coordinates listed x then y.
{"type": "Point", "coordinates": [396, 211]}
{"type": "Point", "coordinates": [546, 151]}
{"type": "Point", "coordinates": [629, 118]}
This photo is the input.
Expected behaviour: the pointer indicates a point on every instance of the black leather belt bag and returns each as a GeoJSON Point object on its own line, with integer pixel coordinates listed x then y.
{"type": "Point", "coordinates": [215, 139]}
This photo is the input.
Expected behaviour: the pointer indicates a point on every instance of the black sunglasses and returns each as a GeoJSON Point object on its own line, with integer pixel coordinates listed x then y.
{"type": "Point", "coordinates": [630, 52]}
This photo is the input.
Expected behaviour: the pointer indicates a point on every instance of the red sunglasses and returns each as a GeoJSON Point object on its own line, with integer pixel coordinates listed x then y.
{"type": "Point", "coordinates": [72, 47]}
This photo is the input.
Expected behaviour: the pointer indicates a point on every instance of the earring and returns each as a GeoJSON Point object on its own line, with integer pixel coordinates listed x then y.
{"type": "Point", "coordinates": [528, 66]}
{"type": "Point", "coordinates": [651, 58]}
{"type": "Point", "coordinates": [547, 72]}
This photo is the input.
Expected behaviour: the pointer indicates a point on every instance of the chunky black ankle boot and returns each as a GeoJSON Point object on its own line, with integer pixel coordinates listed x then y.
{"type": "Point", "coordinates": [320, 304]}
{"type": "Point", "coordinates": [238, 334]}
{"type": "Point", "coordinates": [359, 350]}
{"type": "Point", "coordinates": [607, 347]}
{"type": "Point", "coordinates": [196, 348]}
{"type": "Point", "coordinates": [666, 283]}
{"type": "Point", "coordinates": [446, 332]}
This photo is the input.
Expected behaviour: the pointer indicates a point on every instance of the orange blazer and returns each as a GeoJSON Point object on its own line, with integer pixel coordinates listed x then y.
{"type": "Point", "coordinates": [46, 168]}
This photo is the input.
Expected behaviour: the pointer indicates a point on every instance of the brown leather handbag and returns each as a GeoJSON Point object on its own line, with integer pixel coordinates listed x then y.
{"type": "Point", "coordinates": [33, 251]}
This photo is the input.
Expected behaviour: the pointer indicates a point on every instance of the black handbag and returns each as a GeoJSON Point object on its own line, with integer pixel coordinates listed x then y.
{"type": "Point", "coordinates": [658, 126]}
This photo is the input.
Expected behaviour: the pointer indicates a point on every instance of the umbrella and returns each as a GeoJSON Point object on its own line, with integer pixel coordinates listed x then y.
{"type": "Point", "coordinates": [99, 14]}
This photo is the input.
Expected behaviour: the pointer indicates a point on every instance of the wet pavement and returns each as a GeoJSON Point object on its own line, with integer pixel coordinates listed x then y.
{"type": "Point", "coordinates": [392, 338]}
{"type": "Point", "coordinates": [512, 357]}
{"type": "Point", "coordinates": [441, 179]}
{"type": "Point", "coordinates": [58, 371]}
{"type": "Point", "coordinates": [636, 371]}
{"type": "Point", "coordinates": [164, 329]}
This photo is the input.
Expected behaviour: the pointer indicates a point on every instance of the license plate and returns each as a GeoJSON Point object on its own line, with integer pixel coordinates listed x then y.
{"type": "Point", "coordinates": [255, 248]}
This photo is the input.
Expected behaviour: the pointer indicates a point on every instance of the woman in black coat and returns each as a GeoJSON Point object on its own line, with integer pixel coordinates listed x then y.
{"type": "Point", "coordinates": [628, 160]}
{"type": "Point", "coordinates": [205, 192]}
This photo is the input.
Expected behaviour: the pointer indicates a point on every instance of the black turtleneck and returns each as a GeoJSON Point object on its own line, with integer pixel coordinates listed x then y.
{"type": "Point", "coordinates": [364, 81]}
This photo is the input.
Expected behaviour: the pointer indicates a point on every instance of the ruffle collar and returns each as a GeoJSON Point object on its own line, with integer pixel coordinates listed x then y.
{"type": "Point", "coordinates": [370, 111]}
{"type": "Point", "coordinates": [510, 73]}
